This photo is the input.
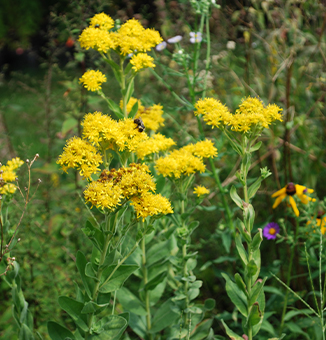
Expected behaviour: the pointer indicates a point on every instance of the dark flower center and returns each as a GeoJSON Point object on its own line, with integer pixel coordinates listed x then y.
{"type": "Point", "coordinates": [290, 189]}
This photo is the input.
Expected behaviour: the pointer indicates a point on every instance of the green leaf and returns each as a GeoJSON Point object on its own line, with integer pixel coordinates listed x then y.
{"type": "Point", "coordinates": [25, 333]}
{"type": "Point", "coordinates": [130, 302]}
{"type": "Point", "coordinates": [256, 147]}
{"type": "Point", "coordinates": [58, 332]}
{"type": "Point", "coordinates": [236, 295]}
{"type": "Point", "coordinates": [81, 265]}
{"type": "Point", "coordinates": [256, 241]}
{"type": "Point", "coordinates": [209, 304]}
{"type": "Point", "coordinates": [251, 269]}
{"type": "Point", "coordinates": [138, 325]}
{"type": "Point", "coordinates": [157, 252]}
{"type": "Point", "coordinates": [241, 250]}
{"type": "Point", "coordinates": [256, 290]}
{"type": "Point", "coordinates": [254, 187]}
{"type": "Point", "coordinates": [95, 235]}
{"type": "Point", "coordinates": [240, 283]}
{"type": "Point", "coordinates": [110, 327]}
{"type": "Point", "coordinates": [244, 232]}
{"type": "Point", "coordinates": [202, 330]}
{"type": "Point", "coordinates": [92, 307]}
{"type": "Point", "coordinates": [134, 110]}
{"type": "Point", "coordinates": [150, 285]}
{"type": "Point", "coordinates": [235, 197]}
{"type": "Point", "coordinates": [256, 257]}
{"type": "Point", "coordinates": [249, 216]}
{"type": "Point", "coordinates": [130, 91]}
{"type": "Point", "coordinates": [111, 259]}
{"type": "Point", "coordinates": [164, 317]}
{"type": "Point", "coordinates": [74, 309]}
{"type": "Point", "coordinates": [230, 333]}
{"type": "Point", "coordinates": [255, 315]}
{"type": "Point", "coordinates": [115, 108]}
{"type": "Point", "coordinates": [90, 272]}
{"type": "Point", "coordinates": [289, 315]}
{"type": "Point", "coordinates": [117, 279]}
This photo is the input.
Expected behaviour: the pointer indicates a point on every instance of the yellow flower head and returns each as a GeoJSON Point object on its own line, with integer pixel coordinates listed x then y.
{"type": "Point", "coordinates": [99, 129]}
{"type": "Point", "coordinates": [8, 174]}
{"type": "Point", "coordinates": [132, 37]}
{"type": "Point", "coordinates": [154, 144]}
{"type": "Point", "coordinates": [152, 116]}
{"type": "Point", "coordinates": [103, 194]}
{"type": "Point", "coordinates": [129, 136]}
{"type": "Point", "coordinates": [140, 61]}
{"type": "Point", "coordinates": [98, 39]}
{"type": "Point", "coordinates": [115, 186]}
{"type": "Point", "coordinates": [201, 190]}
{"type": "Point", "coordinates": [213, 111]}
{"type": "Point", "coordinates": [81, 155]}
{"type": "Point", "coordinates": [131, 103]}
{"type": "Point", "coordinates": [289, 191]}
{"type": "Point", "coordinates": [102, 21]}
{"type": "Point", "coordinates": [205, 149]}
{"type": "Point", "coordinates": [150, 204]}
{"type": "Point", "coordinates": [135, 180]}
{"type": "Point", "coordinates": [93, 80]}
{"type": "Point", "coordinates": [252, 113]}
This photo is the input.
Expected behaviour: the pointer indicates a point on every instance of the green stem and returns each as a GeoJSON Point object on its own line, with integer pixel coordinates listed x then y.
{"type": "Point", "coordinates": [145, 278]}
{"type": "Point", "coordinates": [288, 280]}
{"type": "Point", "coordinates": [321, 314]}
{"type": "Point", "coordinates": [185, 285]}
{"type": "Point", "coordinates": [98, 276]}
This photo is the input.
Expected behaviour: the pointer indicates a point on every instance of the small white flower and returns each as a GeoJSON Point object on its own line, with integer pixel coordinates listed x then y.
{"type": "Point", "coordinates": [160, 47]}
{"type": "Point", "coordinates": [195, 37]}
{"type": "Point", "coordinates": [175, 39]}
{"type": "Point", "coordinates": [180, 51]}
{"type": "Point", "coordinates": [214, 2]}
{"type": "Point", "coordinates": [230, 45]}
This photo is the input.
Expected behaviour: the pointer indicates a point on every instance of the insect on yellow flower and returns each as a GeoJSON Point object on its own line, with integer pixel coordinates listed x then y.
{"type": "Point", "coordinates": [290, 190]}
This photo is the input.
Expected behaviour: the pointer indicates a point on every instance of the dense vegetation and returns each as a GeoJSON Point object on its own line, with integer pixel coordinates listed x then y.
{"type": "Point", "coordinates": [194, 273]}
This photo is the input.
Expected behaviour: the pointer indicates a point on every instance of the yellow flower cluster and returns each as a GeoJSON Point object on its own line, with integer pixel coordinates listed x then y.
{"type": "Point", "coordinates": [154, 144]}
{"type": "Point", "coordinates": [80, 154]}
{"type": "Point", "coordinates": [140, 61]}
{"type": "Point", "coordinates": [187, 160]}
{"type": "Point", "coordinates": [102, 130]}
{"type": "Point", "coordinates": [201, 190]}
{"type": "Point", "coordinates": [8, 174]}
{"type": "Point", "coordinates": [131, 37]}
{"type": "Point", "coordinates": [152, 116]}
{"type": "Point", "coordinates": [93, 80]}
{"type": "Point", "coordinates": [251, 114]}
{"type": "Point", "coordinates": [131, 183]}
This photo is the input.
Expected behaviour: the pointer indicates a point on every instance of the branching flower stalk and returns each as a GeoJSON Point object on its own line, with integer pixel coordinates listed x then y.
{"type": "Point", "coordinates": [242, 130]}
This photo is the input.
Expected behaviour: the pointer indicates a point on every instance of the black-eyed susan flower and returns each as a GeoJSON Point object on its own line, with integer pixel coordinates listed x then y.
{"type": "Point", "coordinates": [92, 80]}
{"type": "Point", "coordinates": [289, 191]}
{"type": "Point", "coordinates": [201, 190]}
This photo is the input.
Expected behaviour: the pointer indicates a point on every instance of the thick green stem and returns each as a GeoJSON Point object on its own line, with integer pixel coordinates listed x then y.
{"type": "Point", "coordinates": [145, 278]}
{"type": "Point", "coordinates": [185, 285]}
{"type": "Point", "coordinates": [98, 276]}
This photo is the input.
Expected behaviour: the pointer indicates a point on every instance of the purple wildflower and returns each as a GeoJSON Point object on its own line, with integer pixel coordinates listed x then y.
{"type": "Point", "coordinates": [271, 230]}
